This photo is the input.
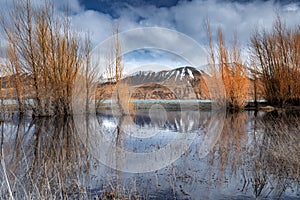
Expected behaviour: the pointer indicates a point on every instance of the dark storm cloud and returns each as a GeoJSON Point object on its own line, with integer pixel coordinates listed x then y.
{"type": "Point", "coordinates": [111, 6]}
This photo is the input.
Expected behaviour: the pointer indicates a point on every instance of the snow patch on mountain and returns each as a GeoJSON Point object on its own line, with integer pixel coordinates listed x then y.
{"type": "Point", "coordinates": [177, 73]}
{"type": "Point", "coordinates": [182, 73]}
{"type": "Point", "coordinates": [190, 73]}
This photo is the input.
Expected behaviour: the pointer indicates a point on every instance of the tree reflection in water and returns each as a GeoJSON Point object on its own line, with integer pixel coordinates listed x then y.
{"type": "Point", "coordinates": [263, 151]}
{"type": "Point", "coordinates": [44, 159]}
{"type": "Point", "coordinates": [254, 156]}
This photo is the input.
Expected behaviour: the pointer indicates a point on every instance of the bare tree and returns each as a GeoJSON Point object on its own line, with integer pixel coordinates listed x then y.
{"type": "Point", "coordinates": [227, 62]}
{"type": "Point", "coordinates": [43, 45]}
{"type": "Point", "coordinates": [1, 95]}
{"type": "Point", "coordinates": [114, 65]}
{"type": "Point", "coordinates": [14, 70]}
{"type": "Point", "coordinates": [90, 73]}
{"type": "Point", "coordinates": [114, 71]}
{"type": "Point", "coordinates": [277, 57]}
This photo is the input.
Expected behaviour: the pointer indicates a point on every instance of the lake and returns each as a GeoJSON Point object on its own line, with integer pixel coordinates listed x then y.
{"type": "Point", "coordinates": [152, 154]}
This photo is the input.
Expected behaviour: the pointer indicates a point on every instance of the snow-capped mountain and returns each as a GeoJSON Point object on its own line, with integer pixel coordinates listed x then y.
{"type": "Point", "coordinates": [178, 75]}
{"type": "Point", "coordinates": [180, 83]}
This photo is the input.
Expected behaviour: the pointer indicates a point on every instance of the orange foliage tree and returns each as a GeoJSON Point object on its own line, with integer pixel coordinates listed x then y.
{"type": "Point", "coordinates": [227, 63]}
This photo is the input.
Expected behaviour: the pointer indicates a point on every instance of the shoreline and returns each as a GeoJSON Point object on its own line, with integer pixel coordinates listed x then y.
{"type": "Point", "coordinates": [169, 105]}
{"type": "Point", "coordinates": [201, 106]}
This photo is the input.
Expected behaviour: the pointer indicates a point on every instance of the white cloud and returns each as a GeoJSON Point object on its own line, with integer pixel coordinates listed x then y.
{"type": "Point", "coordinates": [187, 17]}
{"type": "Point", "coordinates": [99, 25]}
{"type": "Point", "coordinates": [153, 60]}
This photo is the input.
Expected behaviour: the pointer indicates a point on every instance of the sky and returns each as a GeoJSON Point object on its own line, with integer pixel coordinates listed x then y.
{"type": "Point", "coordinates": [186, 17]}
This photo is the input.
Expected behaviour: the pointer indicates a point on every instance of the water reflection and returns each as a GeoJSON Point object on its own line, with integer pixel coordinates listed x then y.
{"type": "Point", "coordinates": [255, 155]}
{"type": "Point", "coordinates": [43, 159]}
{"type": "Point", "coordinates": [277, 162]}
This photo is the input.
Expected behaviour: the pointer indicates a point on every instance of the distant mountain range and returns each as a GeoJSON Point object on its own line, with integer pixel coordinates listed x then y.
{"type": "Point", "coordinates": [179, 74]}
{"type": "Point", "coordinates": [180, 83]}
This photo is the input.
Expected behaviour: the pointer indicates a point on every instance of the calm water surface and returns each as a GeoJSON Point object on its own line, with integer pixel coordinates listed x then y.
{"type": "Point", "coordinates": [255, 155]}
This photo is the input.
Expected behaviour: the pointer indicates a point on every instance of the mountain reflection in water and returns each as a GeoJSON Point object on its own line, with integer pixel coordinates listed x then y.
{"type": "Point", "coordinates": [255, 155]}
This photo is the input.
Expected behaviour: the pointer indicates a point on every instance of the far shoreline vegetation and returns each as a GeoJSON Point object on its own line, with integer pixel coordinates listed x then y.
{"type": "Point", "coordinates": [44, 56]}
